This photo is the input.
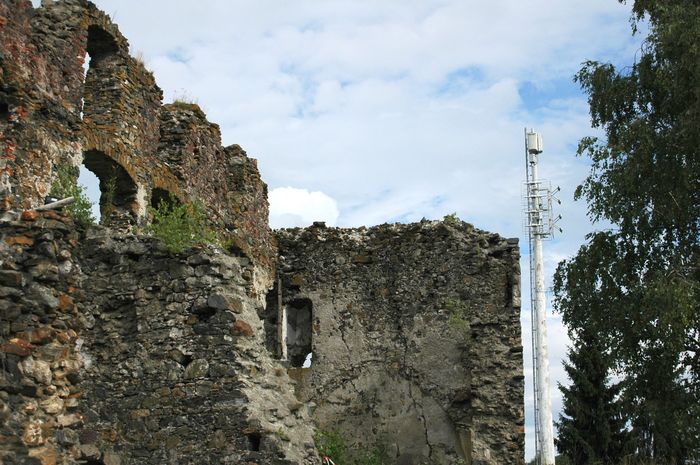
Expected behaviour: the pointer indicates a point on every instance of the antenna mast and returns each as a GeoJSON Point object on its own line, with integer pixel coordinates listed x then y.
{"type": "Point", "coordinates": [540, 225]}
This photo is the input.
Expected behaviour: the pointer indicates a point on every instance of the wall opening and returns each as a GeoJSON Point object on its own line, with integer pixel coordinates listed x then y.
{"type": "Point", "coordinates": [159, 195]}
{"type": "Point", "coordinates": [86, 66]}
{"type": "Point", "coordinates": [102, 86]}
{"type": "Point", "coordinates": [299, 321]}
{"type": "Point", "coordinates": [307, 360]}
{"type": "Point", "coordinates": [91, 183]}
{"type": "Point", "coordinates": [254, 440]}
{"type": "Point", "coordinates": [100, 44]}
{"type": "Point", "coordinates": [117, 189]}
{"type": "Point", "coordinates": [4, 111]}
{"type": "Point", "coordinates": [93, 461]}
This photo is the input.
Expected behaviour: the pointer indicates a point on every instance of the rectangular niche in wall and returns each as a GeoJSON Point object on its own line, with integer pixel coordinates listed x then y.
{"type": "Point", "coordinates": [299, 314]}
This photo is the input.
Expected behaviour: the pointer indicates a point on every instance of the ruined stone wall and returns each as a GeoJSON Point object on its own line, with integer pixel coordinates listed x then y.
{"type": "Point", "coordinates": [114, 352]}
{"type": "Point", "coordinates": [40, 88]}
{"type": "Point", "coordinates": [249, 210]}
{"type": "Point", "coordinates": [120, 121]}
{"type": "Point", "coordinates": [39, 335]}
{"type": "Point", "coordinates": [189, 147]}
{"type": "Point", "coordinates": [415, 336]}
{"type": "Point", "coordinates": [225, 180]}
{"type": "Point", "coordinates": [56, 109]}
{"type": "Point", "coordinates": [110, 121]}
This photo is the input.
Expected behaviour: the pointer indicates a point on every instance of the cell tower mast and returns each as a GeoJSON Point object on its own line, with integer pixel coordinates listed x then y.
{"type": "Point", "coordinates": [540, 225]}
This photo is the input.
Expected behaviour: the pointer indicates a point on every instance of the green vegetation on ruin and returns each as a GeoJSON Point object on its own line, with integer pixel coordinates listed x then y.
{"type": "Point", "coordinates": [66, 185]}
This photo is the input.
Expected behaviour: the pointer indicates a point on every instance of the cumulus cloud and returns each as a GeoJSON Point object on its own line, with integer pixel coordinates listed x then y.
{"type": "Point", "coordinates": [292, 207]}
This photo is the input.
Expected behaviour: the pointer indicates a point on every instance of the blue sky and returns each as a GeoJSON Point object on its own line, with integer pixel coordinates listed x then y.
{"type": "Point", "coordinates": [365, 112]}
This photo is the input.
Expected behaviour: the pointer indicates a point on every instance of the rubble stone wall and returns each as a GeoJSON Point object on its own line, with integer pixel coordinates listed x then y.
{"type": "Point", "coordinates": [195, 165]}
{"type": "Point", "coordinates": [72, 94]}
{"type": "Point", "coordinates": [415, 337]}
{"type": "Point", "coordinates": [40, 89]}
{"type": "Point", "coordinates": [112, 351]}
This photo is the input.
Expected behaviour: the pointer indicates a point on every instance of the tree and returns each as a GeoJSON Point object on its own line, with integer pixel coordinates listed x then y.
{"type": "Point", "coordinates": [591, 428]}
{"type": "Point", "coordinates": [637, 285]}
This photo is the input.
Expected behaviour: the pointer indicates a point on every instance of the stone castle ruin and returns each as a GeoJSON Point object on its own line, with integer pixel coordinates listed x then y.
{"type": "Point", "coordinates": [115, 351]}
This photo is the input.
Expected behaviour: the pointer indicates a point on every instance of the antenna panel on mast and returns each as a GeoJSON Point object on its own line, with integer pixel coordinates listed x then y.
{"type": "Point", "coordinates": [534, 142]}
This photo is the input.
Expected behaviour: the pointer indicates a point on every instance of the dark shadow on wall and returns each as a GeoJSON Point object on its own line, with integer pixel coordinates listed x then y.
{"type": "Point", "coordinates": [159, 195]}
{"type": "Point", "coordinates": [100, 44]}
{"type": "Point", "coordinates": [298, 315]}
{"type": "Point", "coordinates": [299, 322]}
{"type": "Point", "coordinates": [93, 461]}
{"type": "Point", "coordinates": [270, 317]}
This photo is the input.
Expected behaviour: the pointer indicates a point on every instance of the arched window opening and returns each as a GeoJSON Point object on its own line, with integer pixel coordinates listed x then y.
{"type": "Point", "coordinates": [117, 189]}
{"type": "Point", "coordinates": [299, 320]}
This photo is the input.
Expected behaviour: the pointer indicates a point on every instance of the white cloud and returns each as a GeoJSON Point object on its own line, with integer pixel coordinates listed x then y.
{"type": "Point", "coordinates": [292, 207]}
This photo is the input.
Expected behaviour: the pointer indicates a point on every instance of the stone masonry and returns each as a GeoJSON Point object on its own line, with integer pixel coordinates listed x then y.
{"type": "Point", "coordinates": [415, 336]}
{"type": "Point", "coordinates": [114, 351]}
{"type": "Point", "coordinates": [72, 94]}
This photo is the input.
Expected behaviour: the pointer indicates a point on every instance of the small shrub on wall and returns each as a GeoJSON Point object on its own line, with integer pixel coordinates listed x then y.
{"type": "Point", "coordinates": [457, 319]}
{"type": "Point", "coordinates": [333, 444]}
{"type": "Point", "coordinates": [452, 219]}
{"type": "Point", "coordinates": [180, 225]}
{"type": "Point", "coordinates": [66, 185]}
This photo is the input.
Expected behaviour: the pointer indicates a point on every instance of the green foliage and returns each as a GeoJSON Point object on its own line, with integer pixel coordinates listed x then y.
{"type": "Point", "coordinates": [457, 318]}
{"type": "Point", "coordinates": [591, 428]}
{"type": "Point", "coordinates": [108, 196]}
{"type": "Point", "coordinates": [334, 445]}
{"type": "Point", "coordinates": [179, 225]}
{"type": "Point", "coordinates": [375, 456]}
{"type": "Point", "coordinates": [66, 185]}
{"type": "Point", "coordinates": [452, 219]}
{"type": "Point", "coordinates": [637, 286]}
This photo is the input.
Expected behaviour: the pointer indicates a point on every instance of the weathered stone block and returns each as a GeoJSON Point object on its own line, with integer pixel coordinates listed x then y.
{"type": "Point", "coordinates": [19, 240]}
{"type": "Point", "coordinates": [241, 327]}
{"type": "Point", "coordinates": [18, 346]}
{"type": "Point", "coordinates": [198, 368]}
{"type": "Point", "coordinates": [11, 278]}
